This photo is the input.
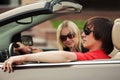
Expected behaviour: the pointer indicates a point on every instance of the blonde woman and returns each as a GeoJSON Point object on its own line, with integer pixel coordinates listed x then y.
{"type": "Point", "coordinates": [68, 36]}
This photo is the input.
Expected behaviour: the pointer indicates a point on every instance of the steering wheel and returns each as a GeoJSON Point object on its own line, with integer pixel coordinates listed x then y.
{"type": "Point", "coordinates": [11, 49]}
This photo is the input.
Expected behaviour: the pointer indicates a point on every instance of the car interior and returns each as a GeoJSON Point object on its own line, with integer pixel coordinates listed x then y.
{"type": "Point", "coordinates": [115, 54]}
{"type": "Point", "coordinates": [116, 40]}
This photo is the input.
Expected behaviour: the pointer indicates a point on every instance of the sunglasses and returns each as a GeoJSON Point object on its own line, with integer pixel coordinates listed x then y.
{"type": "Point", "coordinates": [70, 35]}
{"type": "Point", "coordinates": [87, 31]}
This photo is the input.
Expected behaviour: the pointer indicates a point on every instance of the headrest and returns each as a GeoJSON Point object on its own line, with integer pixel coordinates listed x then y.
{"type": "Point", "coordinates": [116, 33]}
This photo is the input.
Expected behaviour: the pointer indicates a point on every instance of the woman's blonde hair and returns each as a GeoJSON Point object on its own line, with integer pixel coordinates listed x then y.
{"type": "Point", "coordinates": [73, 28]}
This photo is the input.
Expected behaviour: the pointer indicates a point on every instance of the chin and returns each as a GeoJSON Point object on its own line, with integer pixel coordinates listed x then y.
{"type": "Point", "coordinates": [85, 46]}
{"type": "Point", "coordinates": [69, 46]}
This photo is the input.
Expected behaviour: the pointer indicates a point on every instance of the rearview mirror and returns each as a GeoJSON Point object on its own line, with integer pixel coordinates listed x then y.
{"type": "Point", "coordinates": [27, 40]}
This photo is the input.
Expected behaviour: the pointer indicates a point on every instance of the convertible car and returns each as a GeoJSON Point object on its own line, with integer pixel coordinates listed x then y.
{"type": "Point", "coordinates": [15, 22]}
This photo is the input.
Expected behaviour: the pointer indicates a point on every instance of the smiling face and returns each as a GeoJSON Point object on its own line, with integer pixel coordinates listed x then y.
{"type": "Point", "coordinates": [68, 36]}
{"type": "Point", "coordinates": [70, 41]}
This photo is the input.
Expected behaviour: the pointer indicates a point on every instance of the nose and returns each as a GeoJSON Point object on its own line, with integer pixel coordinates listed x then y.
{"type": "Point", "coordinates": [82, 34]}
{"type": "Point", "coordinates": [67, 39]}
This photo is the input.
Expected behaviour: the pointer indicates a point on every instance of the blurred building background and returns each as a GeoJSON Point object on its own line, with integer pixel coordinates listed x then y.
{"type": "Point", "coordinates": [45, 35]}
{"type": "Point", "coordinates": [110, 8]}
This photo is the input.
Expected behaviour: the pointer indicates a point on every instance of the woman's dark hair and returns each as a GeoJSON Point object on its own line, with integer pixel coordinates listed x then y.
{"type": "Point", "coordinates": [102, 30]}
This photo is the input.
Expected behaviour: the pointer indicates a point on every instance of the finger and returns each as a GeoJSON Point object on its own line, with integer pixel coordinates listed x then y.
{"type": "Point", "coordinates": [4, 65]}
{"type": "Point", "coordinates": [9, 66]}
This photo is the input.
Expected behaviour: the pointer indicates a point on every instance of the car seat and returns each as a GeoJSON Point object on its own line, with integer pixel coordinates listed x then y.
{"type": "Point", "coordinates": [116, 39]}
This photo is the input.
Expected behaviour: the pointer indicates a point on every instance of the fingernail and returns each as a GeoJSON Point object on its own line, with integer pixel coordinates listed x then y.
{"type": "Point", "coordinates": [4, 70]}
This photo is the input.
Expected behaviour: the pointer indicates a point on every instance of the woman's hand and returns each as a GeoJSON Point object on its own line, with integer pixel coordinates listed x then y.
{"type": "Point", "coordinates": [22, 48]}
{"type": "Point", "coordinates": [36, 50]}
{"type": "Point", "coordinates": [26, 49]}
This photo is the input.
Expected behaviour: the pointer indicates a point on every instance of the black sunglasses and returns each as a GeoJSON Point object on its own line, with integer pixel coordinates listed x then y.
{"type": "Point", "coordinates": [70, 35]}
{"type": "Point", "coordinates": [87, 31]}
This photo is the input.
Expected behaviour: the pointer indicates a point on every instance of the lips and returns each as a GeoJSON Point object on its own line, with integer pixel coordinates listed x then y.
{"type": "Point", "coordinates": [69, 43]}
{"type": "Point", "coordinates": [84, 40]}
